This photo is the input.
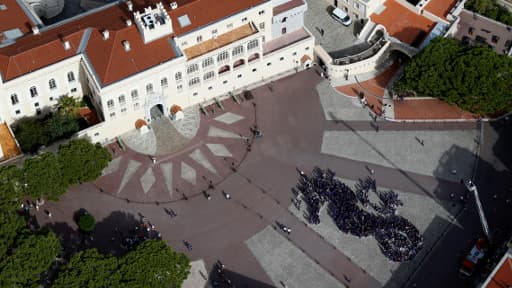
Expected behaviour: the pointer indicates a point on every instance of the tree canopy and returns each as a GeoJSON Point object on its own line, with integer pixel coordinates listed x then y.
{"type": "Point", "coordinates": [474, 78]}
{"type": "Point", "coordinates": [82, 161]}
{"type": "Point", "coordinates": [33, 255]}
{"type": "Point", "coordinates": [89, 269]}
{"type": "Point", "coordinates": [491, 9]}
{"type": "Point", "coordinates": [151, 264]}
{"type": "Point", "coordinates": [43, 178]}
{"type": "Point", "coordinates": [86, 222]}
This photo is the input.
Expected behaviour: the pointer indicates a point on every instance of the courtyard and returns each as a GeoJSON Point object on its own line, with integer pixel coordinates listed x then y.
{"type": "Point", "coordinates": [218, 153]}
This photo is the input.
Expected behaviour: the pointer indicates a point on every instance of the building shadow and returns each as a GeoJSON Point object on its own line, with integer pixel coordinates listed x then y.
{"type": "Point", "coordinates": [229, 279]}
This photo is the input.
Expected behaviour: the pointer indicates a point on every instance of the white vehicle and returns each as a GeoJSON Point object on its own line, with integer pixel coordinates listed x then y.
{"type": "Point", "coordinates": [341, 16]}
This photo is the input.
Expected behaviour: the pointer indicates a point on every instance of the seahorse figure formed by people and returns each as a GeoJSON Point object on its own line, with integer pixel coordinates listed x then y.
{"type": "Point", "coordinates": [354, 212]}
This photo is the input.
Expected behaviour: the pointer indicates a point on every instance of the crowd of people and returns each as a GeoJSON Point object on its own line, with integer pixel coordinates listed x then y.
{"type": "Point", "coordinates": [354, 212]}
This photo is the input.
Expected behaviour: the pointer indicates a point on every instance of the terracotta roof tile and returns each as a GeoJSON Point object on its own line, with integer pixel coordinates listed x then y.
{"type": "Point", "coordinates": [440, 8]}
{"type": "Point", "coordinates": [287, 6]}
{"type": "Point", "coordinates": [33, 52]}
{"type": "Point", "coordinates": [402, 23]}
{"type": "Point", "coordinates": [14, 17]}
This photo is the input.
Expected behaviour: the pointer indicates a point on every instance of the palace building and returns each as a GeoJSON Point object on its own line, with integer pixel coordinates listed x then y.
{"type": "Point", "coordinates": [136, 59]}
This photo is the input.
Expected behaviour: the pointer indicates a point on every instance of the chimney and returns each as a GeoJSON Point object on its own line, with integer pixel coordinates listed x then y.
{"type": "Point", "coordinates": [35, 30]}
{"type": "Point", "coordinates": [67, 46]}
{"type": "Point", "coordinates": [130, 5]}
{"type": "Point", "coordinates": [106, 34]}
{"type": "Point", "coordinates": [174, 5]}
{"type": "Point", "coordinates": [128, 22]}
{"type": "Point", "coordinates": [126, 45]}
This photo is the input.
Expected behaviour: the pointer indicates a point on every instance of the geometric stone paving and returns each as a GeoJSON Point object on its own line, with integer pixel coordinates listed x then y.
{"type": "Point", "coordinates": [229, 118]}
{"type": "Point", "coordinates": [219, 150]}
{"type": "Point", "coordinates": [340, 107]}
{"type": "Point", "coordinates": [167, 173]}
{"type": "Point", "coordinates": [141, 143]}
{"type": "Point", "coordinates": [128, 173]}
{"type": "Point", "coordinates": [188, 173]}
{"type": "Point", "coordinates": [200, 158]}
{"type": "Point", "coordinates": [147, 180]}
{"type": "Point", "coordinates": [429, 216]}
{"type": "Point", "coordinates": [195, 278]}
{"type": "Point", "coordinates": [286, 264]}
{"type": "Point", "coordinates": [112, 167]}
{"type": "Point", "coordinates": [442, 152]}
{"type": "Point", "coordinates": [217, 132]}
{"type": "Point", "coordinates": [189, 125]}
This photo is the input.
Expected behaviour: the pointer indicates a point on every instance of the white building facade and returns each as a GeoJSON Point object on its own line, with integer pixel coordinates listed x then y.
{"type": "Point", "coordinates": [160, 56]}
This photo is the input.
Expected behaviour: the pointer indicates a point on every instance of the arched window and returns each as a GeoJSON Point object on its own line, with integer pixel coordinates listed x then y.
{"type": "Point", "coordinates": [122, 100]}
{"type": "Point", "coordinates": [52, 84]}
{"type": "Point", "coordinates": [110, 104]}
{"type": "Point", "coordinates": [224, 69]}
{"type": "Point", "coordinates": [178, 76]}
{"type": "Point", "coordinates": [163, 82]}
{"type": "Point", "coordinates": [71, 76]}
{"type": "Point", "coordinates": [238, 63]}
{"type": "Point", "coordinates": [253, 57]}
{"type": "Point", "coordinates": [149, 88]}
{"type": "Point", "coordinates": [33, 91]}
{"type": "Point", "coordinates": [14, 99]}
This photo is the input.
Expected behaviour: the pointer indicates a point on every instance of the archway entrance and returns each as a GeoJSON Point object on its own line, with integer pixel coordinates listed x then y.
{"type": "Point", "coordinates": [156, 112]}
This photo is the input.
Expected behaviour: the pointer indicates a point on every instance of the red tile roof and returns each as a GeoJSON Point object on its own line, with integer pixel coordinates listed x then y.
{"type": "Point", "coordinates": [503, 276]}
{"type": "Point", "coordinates": [440, 8]}
{"type": "Point", "coordinates": [108, 58]}
{"type": "Point", "coordinates": [287, 6]}
{"type": "Point", "coordinates": [14, 17]}
{"type": "Point", "coordinates": [402, 23]}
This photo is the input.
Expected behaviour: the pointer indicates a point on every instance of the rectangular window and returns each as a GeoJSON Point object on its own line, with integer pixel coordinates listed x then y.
{"type": "Point", "coordinates": [73, 90]}
{"type": "Point", "coordinates": [14, 99]}
{"type": "Point", "coordinates": [209, 75]}
{"type": "Point", "coordinates": [36, 104]}
{"type": "Point", "coordinates": [215, 31]}
{"type": "Point", "coordinates": [194, 81]}
{"type": "Point", "coordinates": [207, 62]}
{"type": "Point", "coordinates": [71, 77]}
{"type": "Point", "coordinates": [192, 68]}
{"type": "Point", "coordinates": [262, 25]}
{"type": "Point", "coordinates": [244, 19]}
{"type": "Point", "coordinates": [252, 44]}
{"type": "Point", "coordinates": [261, 12]}
{"type": "Point", "coordinates": [195, 94]}
{"type": "Point", "coordinates": [238, 50]}
{"type": "Point", "coordinates": [179, 88]}
{"type": "Point", "coordinates": [17, 112]}
{"type": "Point", "coordinates": [229, 26]}
{"type": "Point", "coordinates": [52, 84]}
{"type": "Point", "coordinates": [223, 56]}
{"type": "Point", "coordinates": [136, 106]}
{"type": "Point", "coordinates": [149, 88]}
{"type": "Point", "coordinates": [199, 38]}
{"type": "Point", "coordinates": [225, 82]}
{"type": "Point", "coordinates": [112, 115]}
{"type": "Point", "coordinates": [123, 111]}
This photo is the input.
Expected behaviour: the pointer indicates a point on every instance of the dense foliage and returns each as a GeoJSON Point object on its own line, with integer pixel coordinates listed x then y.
{"type": "Point", "coordinates": [491, 9]}
{"type": "Point", "coordinates": [86, 222]}
{"type": "Point", "coordinates": [27, 257]}
{"type": "Point", "coordinates": [80, 161]}
{"type": "Point", "coordinates": [151, 264]}
{"type": "Point", "coordinates": [474, 78]}
{"type": "Point", "coordinates": [33, 255]}
{"type": "Point", "coordinates": [34, 132]}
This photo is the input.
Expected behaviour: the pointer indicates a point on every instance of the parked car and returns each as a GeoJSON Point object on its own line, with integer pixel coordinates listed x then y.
{"type": "Point", "coordinates": [341, 16]}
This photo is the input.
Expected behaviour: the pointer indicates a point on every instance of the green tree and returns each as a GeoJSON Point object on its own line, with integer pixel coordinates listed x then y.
{"type": "Point", "coordinates": [43, 178]}
{"type": "Point", "coordinates": [491, 9]}
{"type": "Point", "coordinates": [61, 125]}
{"type": "Point", "coordinates": [475, 78]}
{"type": "Point", "coordinates": [86, 222]}
{"type": "Point", "coordinates": [89, 269]}
{"type": "Point", "coordinates": [30, 133]}
{"type": "Point", "coordinates": [33, 255]}
{"type": "Point", "coordinates": [153, 264]}
{"type": "Point", "coordinates": [82, 161]}
{"type": "Point", "coordinates": [68, 105]}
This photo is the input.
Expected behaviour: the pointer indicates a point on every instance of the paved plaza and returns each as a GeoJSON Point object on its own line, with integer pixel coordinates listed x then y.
{"type": "Point", "coordinates": [337, 40]}
{"type": "Point", "coordinates": [431, 217]}
{"type": "Point", "coordinates": [221, 155]}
